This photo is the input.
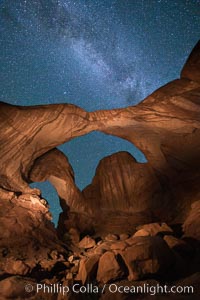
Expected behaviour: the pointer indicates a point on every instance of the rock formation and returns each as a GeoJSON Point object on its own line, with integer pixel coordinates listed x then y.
{"type": "Point", "coordinates": [55, 167]}
{"type": "Point", "coordinates": [29, 132]}
{"type": "Point", "coordinates": [166, 128]}
{"type": "Point", "coordinates": [29, 246]}
{"type": "Point", "coordinates": [113, 230]}
{"type": "Point", "coordinates": [122, 184]}
{"type": "Point", "coordinates": [191, 226]}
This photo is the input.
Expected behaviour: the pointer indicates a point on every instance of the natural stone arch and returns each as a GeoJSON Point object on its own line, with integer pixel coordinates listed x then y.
{"type": "Point", "coordinates": [165, 127]}
{"type": "Point", "coordinates": [54, 167]}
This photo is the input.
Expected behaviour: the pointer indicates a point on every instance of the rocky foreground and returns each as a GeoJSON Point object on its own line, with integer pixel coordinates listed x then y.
{"type": "Point", "coordinates": [134, 225]}
{"type": "Point", "coordinates": [32, 256]}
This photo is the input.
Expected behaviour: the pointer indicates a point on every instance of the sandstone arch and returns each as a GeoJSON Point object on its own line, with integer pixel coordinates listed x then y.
{"type": "Point", "coordinates": [165, 127]}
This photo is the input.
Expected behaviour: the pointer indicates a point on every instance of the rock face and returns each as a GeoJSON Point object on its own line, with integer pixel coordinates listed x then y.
{"type": "Point", "coordinates": [87, 242]}
{"type": "Point", "coordinates": [147, 255]}
{"type": "Point", "coordinates": [166, 128]}
{"type": "Point", "coordinates": [88, 269]}
{"type": "Point", "coordinates": [191, 68]}
{"type": "Point", "coordinates": [29, 132]}
{"type": "Point", "coordinates": [29, 243]}
{"type": "Point", "coordinates": [55, 167]}
{"type": "Point", "coordinates": [117, 185]}
{"type": "Point", "coordinates": [109, 268]}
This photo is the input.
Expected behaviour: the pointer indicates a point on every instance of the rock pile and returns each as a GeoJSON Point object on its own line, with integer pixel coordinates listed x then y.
{"type": "Point", "coordinates": [151, 251]}
{"type": "Point", "coordinates": [32, 254]}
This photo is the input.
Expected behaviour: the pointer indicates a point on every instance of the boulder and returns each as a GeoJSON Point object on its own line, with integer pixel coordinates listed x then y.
{"type": "Point", "coordinates": [192, 281]}
{"type": "Point", "coordinates": [88, 269]}
{"type": "Point", "coordinates": [87, 242]}
{"type": "Point", "coordinates": [16, 287]}
{"type": "Point", "coordinates": [177, 244]}
{"type": "Point", "coordinates": [102, 248]}
{"type": "Point", "coordinates": [153, 229]}
{"type": "Point", "coordinates": [147, 256]}
{"type": "Point", "coordinates": [120, 245]}
{"type": "Point", "coordinates": [142, 232]}
{"type": "Point", "coordinates": [191, 226]}
{"type": "Point", "coordinates": [111, 237]}
{"type": "Point", "coordinates": [123, 236]}
{"type": "Point", "coordinates": [109, 268]}
{"type": "Point", "coordinates": [15, 267]}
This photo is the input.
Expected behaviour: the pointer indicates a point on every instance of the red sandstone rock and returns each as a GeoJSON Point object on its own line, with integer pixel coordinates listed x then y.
{"type": "Point", "coordinates": [109, 269]}
{"type": "Point", "coordinates": [87, 242]}
{"type": "Point", "coordinates": [191, 226]}
{"type": "Point", "coordinates": [14, 288]}
{"type": "Point", "coordinates": [123, 236]}
{"type": "Point", "coordinates": [122, 184]}
{"type": "Point", "coordinates": [175, 243]}
{"type": "Point", "coordinates": [28, 237]}
{"type": "Point", "coordinates": [88, 269]}
{"type": "Point", "coordinates": [111, 237]}
{"type": "Point", "coordinates": [142, 232]}
{"type": "Point", "coordinates": [55, 167]}
{"type": "Point", "coordinates": [147, 255]}
{"type": "Point", "coordinates": [102, 248]}
{"type": "Point", "coordinates": [191, 68]}
{"type": "Point", "coordinates": [121, 245]}
{"type": "Point", "coordinates": [154, 229]}
{"type": "Point", "coordinates": [74, 235]}
{"type": "Point", "coordinates": [31, 132]}
{"type": "Point", "coordinates": [166, 128]}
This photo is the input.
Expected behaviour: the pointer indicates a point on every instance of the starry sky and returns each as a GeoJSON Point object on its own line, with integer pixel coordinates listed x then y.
{"type": "Point", "coordinates": [97, 54]}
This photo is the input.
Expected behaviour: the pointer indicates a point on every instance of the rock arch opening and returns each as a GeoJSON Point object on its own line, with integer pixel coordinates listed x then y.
{"type": "Point", "coordinates": [84, 154]}
{"type": "Point", "coordinates": [50, 194]}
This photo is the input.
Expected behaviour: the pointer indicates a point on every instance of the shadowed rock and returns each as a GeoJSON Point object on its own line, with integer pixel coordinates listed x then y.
{"type": "Point", "coordinates": [121, 184]}
{"type": "Point", "coordinates": [191, 226]}
{"type": "Point", "coordinates": [55, 167]}
{"type": "Point", "coordinates": [166, 128]}
{"type": "Point", "coordinates": [191, 68]}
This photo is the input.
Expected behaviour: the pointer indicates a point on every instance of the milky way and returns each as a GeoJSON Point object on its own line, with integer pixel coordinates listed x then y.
{"type": "Point", "coordinates": [95, 54]}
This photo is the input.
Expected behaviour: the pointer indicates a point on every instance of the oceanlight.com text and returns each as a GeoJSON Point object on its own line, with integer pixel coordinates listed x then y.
{"type": "Point", "coordinates": [113, 288]}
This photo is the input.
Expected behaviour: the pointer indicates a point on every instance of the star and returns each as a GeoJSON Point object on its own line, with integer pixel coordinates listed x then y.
{"type": "Point", "coordinates": [94, 54]}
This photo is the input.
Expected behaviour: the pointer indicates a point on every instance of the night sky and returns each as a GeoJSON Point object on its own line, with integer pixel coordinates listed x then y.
{"type": "Point", "coordinates": [98, 54]}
